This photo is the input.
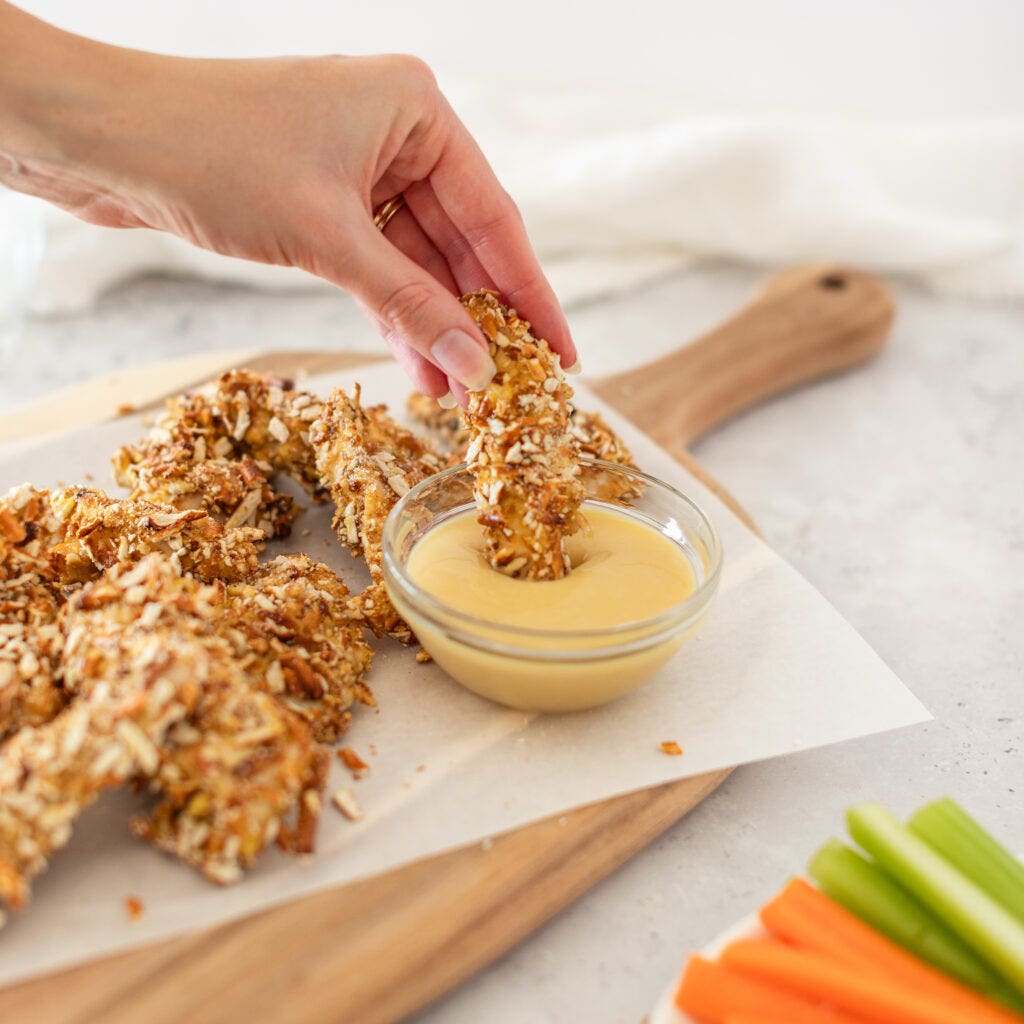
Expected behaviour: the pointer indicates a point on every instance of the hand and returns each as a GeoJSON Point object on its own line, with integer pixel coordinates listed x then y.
{"type": "Point", "coordinates": [283, 161]}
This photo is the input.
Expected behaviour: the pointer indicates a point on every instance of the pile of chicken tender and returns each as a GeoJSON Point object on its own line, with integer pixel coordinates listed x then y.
{"type": "Point", "coordinates": [148, 640]}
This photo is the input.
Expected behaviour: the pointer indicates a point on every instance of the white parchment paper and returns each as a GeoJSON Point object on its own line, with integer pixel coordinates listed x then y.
{"type": "Point", "coordinates": [774, 670]}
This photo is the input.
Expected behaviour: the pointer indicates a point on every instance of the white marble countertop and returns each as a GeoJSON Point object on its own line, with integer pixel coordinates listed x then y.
{"type": "Point", "coordinates": [898, 490]}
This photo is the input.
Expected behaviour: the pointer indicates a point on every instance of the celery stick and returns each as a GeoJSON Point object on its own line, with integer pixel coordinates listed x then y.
{"type": "Point", "coordinates": [948, 828]}
{"type": "Point", "coordinates": [867, 891]}
{"type": "Point", "coordinates": [992, 932]}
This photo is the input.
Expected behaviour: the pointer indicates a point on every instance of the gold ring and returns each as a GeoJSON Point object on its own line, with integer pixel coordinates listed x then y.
{"type": "Point", "coordinates": [383, 214]}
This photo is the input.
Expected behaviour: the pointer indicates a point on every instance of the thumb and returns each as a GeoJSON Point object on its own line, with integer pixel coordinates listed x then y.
{"type": "Point", "coordinates": [412, 309]}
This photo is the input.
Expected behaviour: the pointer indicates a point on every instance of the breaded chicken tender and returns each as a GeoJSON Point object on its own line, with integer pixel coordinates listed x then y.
{"type": "Point", "coordinates": [596, 439]}
{"type": "Point", "coordinates": [100, 532]}
{"type": "Point", "coordinates": [237, 770]}
{"type": "Point", "coordinates": [180, 467]}
{"type": "Point", "coordinates": [368, 461]}
{"type": "Point", "coordinates": [293, 631]}
{"type": "Point", "coordinates": [138, 668]}
{"type": "Point", "coordinates": [524, 459]}
{"type": "Point", "coordinates": [31, 692]}
{"type": "Point", "coordinates": [218, 447]}
{"type": "Point", "coordinates": [264, 417]}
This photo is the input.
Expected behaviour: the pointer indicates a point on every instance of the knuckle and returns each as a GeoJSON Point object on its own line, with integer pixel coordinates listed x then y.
{"type": "Point", "coordinates": [526, 286]}
{"type": "Point", "coordinates": [402, 312]}
{"type": "Point", "coordinates": [413, 73]}
{"type": "Point", "coordinates": [459, 249]}
{"type": "Point", "coordinates": [417, 70]}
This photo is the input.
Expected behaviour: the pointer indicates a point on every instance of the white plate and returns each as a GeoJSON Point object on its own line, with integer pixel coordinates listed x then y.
{"type": "Point", "coordinates": [665, 1011]}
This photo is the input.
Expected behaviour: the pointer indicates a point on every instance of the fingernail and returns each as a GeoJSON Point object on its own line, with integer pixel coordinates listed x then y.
{"type": "Point", "coordinates": [576, 368]}
{"type": "Point", "coordinates": [447, 401]}
{"type": "Point", "coordinates": [463, 358]}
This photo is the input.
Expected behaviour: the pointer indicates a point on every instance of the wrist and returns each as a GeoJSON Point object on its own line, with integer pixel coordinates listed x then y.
{"type": "Point", "coordinates": [64, 99]}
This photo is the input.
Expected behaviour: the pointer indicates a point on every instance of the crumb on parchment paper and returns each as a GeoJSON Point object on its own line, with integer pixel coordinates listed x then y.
{"type": "Point", "coordinates": [134, 907]}
{"type": "Point", "coordinates": [345, 801]}
{"type": "Point", "coordinates": [671, 747]}
{"type": "Point", "coordinates": [353, 762]}
{"type": "Point", "coordinates": [125, 409]}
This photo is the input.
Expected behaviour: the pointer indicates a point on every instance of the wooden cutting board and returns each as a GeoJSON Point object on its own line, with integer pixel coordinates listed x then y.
{"type": "Point", "coordinates": [377, 950]}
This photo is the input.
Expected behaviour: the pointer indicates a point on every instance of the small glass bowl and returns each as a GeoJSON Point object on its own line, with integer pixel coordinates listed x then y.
{"type": "Point", "coordinates": [552, 670]}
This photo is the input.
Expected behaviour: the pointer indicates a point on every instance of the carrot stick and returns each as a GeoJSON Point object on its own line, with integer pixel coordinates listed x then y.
{"type": "Point", "coordinates": [861, 992]}
{"type": "Point", "coordinates": [712, 992]}
{"type": "Point", "coordinates": [807, 918]}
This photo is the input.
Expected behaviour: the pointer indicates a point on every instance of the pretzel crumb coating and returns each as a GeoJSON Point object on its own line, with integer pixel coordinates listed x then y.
{"type": "Point", "coordinates": [180, 473]}
{"type": "Point", "coordinates": [524, 460]}
{"type": "Point", "coordinates": [231, 778]}
{"type": "Point", "coordinates": [265, 417]}
{"type": "Point", "coordinates": [296, 637]}
{"type": "Point", "coordinates": [238, 769]}
{"type": "Point", "coordinates": [100, 532]}
{"type": "Point", "coordinates": [596, 439]}
{"type": "Point", "coordinates": [52, 543]}
{"type": "Point", "coordinates": [31, 692]}
{"type": "Point", "coordinates": [218, 447]}
{"type": "Point", "coordinates": [368, 461]}
{"type": "Point", "coordinates": [137, 659]}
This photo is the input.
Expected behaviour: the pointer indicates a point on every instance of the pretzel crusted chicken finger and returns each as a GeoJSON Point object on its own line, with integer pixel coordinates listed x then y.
{"type": "Point", "coordinates": [218, 447]}
{"type": "Point", "coordinates": [51, 544]}
{"type": "Point", "coordinates": [596, 439]}
{"type": "Point", "coordinates": [524, 460]}
{"type": "Point", "coordinates": [368, 461]}
{"type": "Point", "coordinates": [231, 778]}
{"type": "Point", "coordinates": [264, 417]}
{"type": "Point", "coordinates": [292, 630]}
{"type": "Point", "coordinates": [137, 674]}
{"type": "Point", "coordinates": [30, 643]}
{"type": "Point", "coordinates": [237, 766]}
{"type": "Point", "coordinates": [100, 532]}
{"type": "Point", "coordinates": [181, 467]}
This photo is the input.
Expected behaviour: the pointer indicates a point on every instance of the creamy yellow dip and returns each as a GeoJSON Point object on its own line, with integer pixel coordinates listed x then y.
{"type": "Point", "coordinates": [624, 571]}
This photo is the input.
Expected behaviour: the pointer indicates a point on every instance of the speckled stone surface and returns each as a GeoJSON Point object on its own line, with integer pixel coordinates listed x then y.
{"type": "Point", "coordinates": [898, 490]}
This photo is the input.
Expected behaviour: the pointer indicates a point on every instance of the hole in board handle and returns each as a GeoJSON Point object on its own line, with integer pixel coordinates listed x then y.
{"type": "Point", "coordinates": [832, 282]}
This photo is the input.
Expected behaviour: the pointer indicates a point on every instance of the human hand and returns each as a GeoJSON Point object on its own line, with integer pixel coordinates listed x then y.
{"type": "Point", "coordinates": [283, 161]}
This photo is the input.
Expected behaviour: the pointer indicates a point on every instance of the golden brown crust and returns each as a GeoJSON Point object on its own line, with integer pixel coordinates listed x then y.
{"type": "Point", "coordinates": [31, 692]}
{"type": "Point", "coordinates": [368, 462]}
{"type": "Point", "coordinates": [596, 439]}
{"type": "Point", "coordinates": [50, 544]}
{"type": "Point", "coordinates": [218, 447]}
{"type": "Point", "coordinates": [265, 417]}
{"type": "Point", "coordinates": [237, 766]}
{"type": "Point", "coordinates": [524, 460]}
{"type": "Point", "coordinates": [292, 630]}
{"type": "Point", "coordinates": [100, 532]}
{"type": "Point", "coordinates": [183, 471]}
{"type": "Point", "coordinates": [137, 671]}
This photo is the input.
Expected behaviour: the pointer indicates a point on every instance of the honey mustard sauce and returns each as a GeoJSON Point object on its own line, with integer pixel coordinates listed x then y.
{"type": "Point", "coordinates": [624, 572]}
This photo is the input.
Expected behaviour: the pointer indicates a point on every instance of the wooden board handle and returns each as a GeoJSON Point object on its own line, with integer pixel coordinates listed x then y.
{"type": "Point", "coordinates": [803, 323]}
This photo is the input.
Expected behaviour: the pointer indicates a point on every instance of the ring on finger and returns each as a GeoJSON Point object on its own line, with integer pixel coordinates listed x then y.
{"type": "Point", "coordinates": [383, 214]}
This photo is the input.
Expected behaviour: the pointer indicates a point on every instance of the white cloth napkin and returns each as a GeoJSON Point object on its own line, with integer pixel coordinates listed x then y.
{"type": "Point", "coordinates": [617, 190]}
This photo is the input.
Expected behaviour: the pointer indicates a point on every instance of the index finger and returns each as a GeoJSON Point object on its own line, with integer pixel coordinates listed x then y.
{"type": "Point", "coordinates": [488, 219]}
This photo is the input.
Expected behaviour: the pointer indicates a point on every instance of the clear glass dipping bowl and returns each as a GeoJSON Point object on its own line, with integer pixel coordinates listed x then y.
{"type": "Point", "coordinates": [552, 670]}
